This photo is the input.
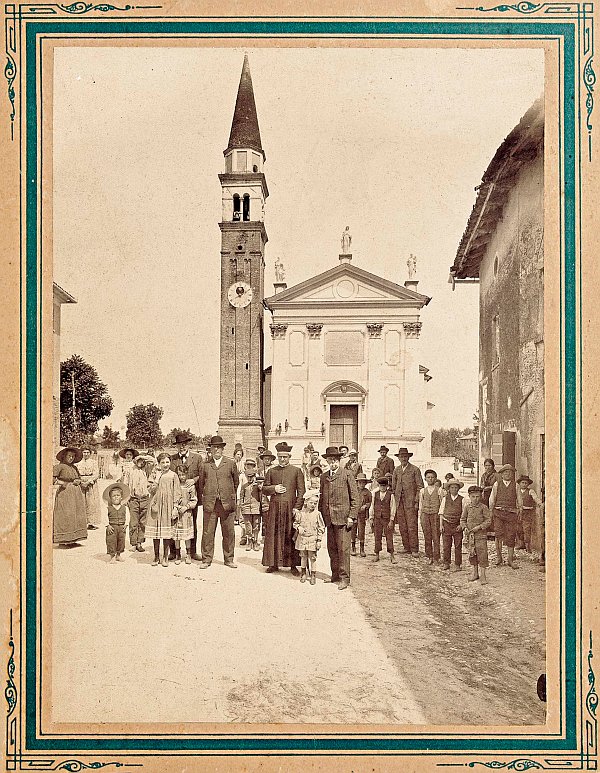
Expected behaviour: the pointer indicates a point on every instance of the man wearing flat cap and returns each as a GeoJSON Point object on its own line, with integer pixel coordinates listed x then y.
{"type": "Point", "coordinates": [339, 505]}
{"type": "Point", "coordinates": [505, 512]}
{"type": "Point", "coordinates": [284, 484]}
{"type": "Point", "coordinates": [407, 483]}
{"type": "Point", "coordinates": [192, 464]}
{"type": "Point", "coordinates": [218, 485]}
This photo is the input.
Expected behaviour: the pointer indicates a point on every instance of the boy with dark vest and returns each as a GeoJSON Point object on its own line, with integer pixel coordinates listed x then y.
{"type": "Point", "coordinates": [450, 514]}
{"type": "Point", "coordinates": [504, 507]}
{"type": "Point", "coordinates": [430, 501]}
{"type": "Point", "coordinates": [527, 501]}
{"type": "Point", "coordinates": [381, 515]}
{"type": "Point", "coordinates": [364, 506]}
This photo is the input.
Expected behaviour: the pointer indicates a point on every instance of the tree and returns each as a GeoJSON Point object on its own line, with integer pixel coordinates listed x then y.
{"type": "Point", "coordinates": [84, 401]}
{"type": "Point", "coordinates": [110, 438]}
{"type": "Point", "coordinates": [444, 443]}
{"type": "Point", "coordinates": [143, 429]}
{"type": "Point", "coordinates": [169, 439]}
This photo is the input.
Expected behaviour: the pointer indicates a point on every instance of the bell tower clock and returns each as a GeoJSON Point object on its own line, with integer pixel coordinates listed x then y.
{"type": "Point", "coordinates": [243, 240]}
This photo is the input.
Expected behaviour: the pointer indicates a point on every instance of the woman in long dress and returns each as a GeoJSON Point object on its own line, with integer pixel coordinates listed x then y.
{"type": "Point", "coordinates": [162, 512]}
{"type": "Point", "coordinates": [488, 478]}
{"type": "Point", "coordinates": [70, 521]}
{"type": "Point", "coordinates": [89, 472]}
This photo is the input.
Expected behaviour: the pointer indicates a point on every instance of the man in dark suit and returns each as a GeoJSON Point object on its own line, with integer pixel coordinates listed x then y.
{"type": "Point", "coordinates": [338, 504]}
{"type": "Point", "coordinates": [192, 463]}
{"type": "Point", "coordinates": [217, 486]}
{"type": "Point", "coordinates": [385, 465]}
{"type": "Point", "coordinates": [407, 483]}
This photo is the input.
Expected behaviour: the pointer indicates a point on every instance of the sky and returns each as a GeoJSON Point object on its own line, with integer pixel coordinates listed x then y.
{"type": "Point", "coordinates": [389, 141]}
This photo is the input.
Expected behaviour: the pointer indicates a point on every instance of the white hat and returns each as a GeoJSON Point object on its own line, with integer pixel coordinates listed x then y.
{"type": "Point", "coordinates": [311, 493]}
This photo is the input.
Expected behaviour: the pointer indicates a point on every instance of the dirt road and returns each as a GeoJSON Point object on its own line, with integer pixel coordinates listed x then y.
{"type": "Point", "coordinates": [405, 644]}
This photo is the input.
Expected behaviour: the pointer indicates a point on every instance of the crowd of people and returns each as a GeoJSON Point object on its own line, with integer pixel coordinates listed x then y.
{"type": "Point", "coordinates": [176, 501]}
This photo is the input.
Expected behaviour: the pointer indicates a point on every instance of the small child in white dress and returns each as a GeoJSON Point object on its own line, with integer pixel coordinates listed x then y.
{"type": "Point", "coordinates": [309, 526]}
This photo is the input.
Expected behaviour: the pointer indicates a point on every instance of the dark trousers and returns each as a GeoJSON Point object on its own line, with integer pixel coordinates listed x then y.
{"type": "Point", "coordinates": [407, 519]}
{"type": "Point", "coordinates": [209, 527]}
{"type": "Point", "coordinates": [194, 540]}
{"type": "Point", "coordinates": [430, 523]}
{"type": "Point", "coordinates": [338, 547]}
{"type": "Point", "coordinates": [358, 527]}
{"type": "Point", "coordinates": [379, 526]}
{"type": "Point", "coordinates": [115, 542]}
{"type": "Point", "coordinates": [138, 510]}
{"type": "Point", "coordinates": [449, 537]}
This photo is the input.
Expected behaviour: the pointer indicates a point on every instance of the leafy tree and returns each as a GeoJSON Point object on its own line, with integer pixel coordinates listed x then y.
{"type": "Point", "coordinates": [110, 438]}
{"type": "Point", "coordinates": [143, 427]}
{"type": "Point", "coordinates": [84, 401]}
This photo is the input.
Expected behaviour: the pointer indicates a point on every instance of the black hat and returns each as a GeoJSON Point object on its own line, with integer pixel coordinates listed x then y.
{"type": "Point", "coordinates": [383, 479]}
{"type": "Point", "coordinates": [266, 454]}
{"type": "Point", "coordinates": [217, 440]}
{"type": "Point", "coordinates": [404, 451]}
{"type": "Point", "coordinates": [474, 490]}
{"type": "Point", "coordinates": [384, 448]}
{"type": "Point", "coordinates": [123, 451]}
{"type": "Point", "coordinates": [77, 453]}
{"type": "Point", "coordinates": [182, 437]}
{"type": "Point", "coordinates": [283, 448]}
{"type": "Point", "coordinates": [316, 470]}
{"type": "Point", "coordinates": [333, 452]}
{"type": "Point", "coordinates": [526, 478]}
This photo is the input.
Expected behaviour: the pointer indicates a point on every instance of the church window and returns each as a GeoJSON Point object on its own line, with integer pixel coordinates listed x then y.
{"type": "Point", "coordinates": [242, 160]}
{"type": "Point", "coordinates": [236, 206]}
{"type": "Point", "coordinates": [232, 403]}
{"type": "Point", "coordinates": [246, 206]}
{"type": "Point", "coordinates": [246, 366]}
{"type": "Point", "coordinates": [255, 162]}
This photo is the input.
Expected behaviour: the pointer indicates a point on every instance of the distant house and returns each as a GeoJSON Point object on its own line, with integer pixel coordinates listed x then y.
{"type": "Point", "coordinates": [503, 248]}
{"type": "Point", "coordinates": [60, 296]}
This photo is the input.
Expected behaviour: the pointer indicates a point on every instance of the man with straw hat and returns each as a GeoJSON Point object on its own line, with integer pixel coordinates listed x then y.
{"type": "Point", "coordinates": [407, 483]}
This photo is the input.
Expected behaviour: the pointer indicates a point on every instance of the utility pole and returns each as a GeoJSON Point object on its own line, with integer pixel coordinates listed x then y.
{"type": "Point", "coordinates": [73, 401]}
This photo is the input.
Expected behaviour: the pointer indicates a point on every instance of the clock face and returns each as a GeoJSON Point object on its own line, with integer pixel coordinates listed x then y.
{"type": "Point", "coordinates": [239, 294]}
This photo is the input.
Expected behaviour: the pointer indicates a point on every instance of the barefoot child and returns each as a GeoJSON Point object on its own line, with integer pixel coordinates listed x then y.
{"type": "Point", "coordinates": [183, 525]}
{"type": "Point", "coordinates": [310, 526]}
{"type": "Point", "coordinates": [527, 502]}
{"type": "Point", "coordinates": [166, 495]}
{"type": "Point", "coordinates": [116, 496]}
{"type": "Point", "coordinates": [475, 520]}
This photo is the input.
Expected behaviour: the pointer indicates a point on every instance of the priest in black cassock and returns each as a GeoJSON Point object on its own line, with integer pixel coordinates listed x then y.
{"type": "Point", "coordinates": [284, 484]}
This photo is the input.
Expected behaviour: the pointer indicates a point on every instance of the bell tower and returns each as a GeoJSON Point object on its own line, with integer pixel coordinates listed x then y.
{"type": "Point", "coordinates": [243, 240]}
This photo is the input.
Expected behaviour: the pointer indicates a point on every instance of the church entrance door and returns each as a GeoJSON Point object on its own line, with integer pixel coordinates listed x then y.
{"type": "Point", "coordinates": [343, 425]}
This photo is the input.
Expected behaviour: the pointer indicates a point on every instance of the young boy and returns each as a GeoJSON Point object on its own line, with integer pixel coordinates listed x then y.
{"type": "Point", "coordinates": [250, 505]}
{"type": "Point", "coordinates": [381, 517]}
{"type": "Point", "coordinates": [527, 501]}
{"type": "Point", "coordinates": [475, 520]}
{"type": "Point", "coordinates": [116, 496]}
{"type": "Point", "coordinates": [364, 506]}
{"type": "Point", "coordinates": [429, 508]}
{"type": "Point", "coordinates": [138, 502]}
{"type": "Point", "coordinates": [128, 455]}
{"type": "Point", "coordinates": [450, 514]}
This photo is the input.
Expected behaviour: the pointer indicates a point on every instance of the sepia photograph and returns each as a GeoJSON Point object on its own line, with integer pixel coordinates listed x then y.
{"type": "Point", "coordinates": [298, 348]}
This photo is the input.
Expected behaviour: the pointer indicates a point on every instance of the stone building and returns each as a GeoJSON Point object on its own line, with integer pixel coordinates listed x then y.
{"type": "Point", "coordinates": [346, 364]}
{"type": "Point", "coordinates": [503, 247]}
{"type": "Point", "coordinates": [59, 296]}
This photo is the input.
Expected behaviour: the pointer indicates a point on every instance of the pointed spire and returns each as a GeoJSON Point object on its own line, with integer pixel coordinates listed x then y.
{"type": "Point", "coordinates": [244, 127]}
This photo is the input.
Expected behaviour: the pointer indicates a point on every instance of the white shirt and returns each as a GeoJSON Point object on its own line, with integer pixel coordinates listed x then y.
{"type": "Point", "coordinates": [218, 461]}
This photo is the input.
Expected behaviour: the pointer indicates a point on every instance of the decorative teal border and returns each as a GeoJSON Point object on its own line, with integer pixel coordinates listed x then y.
{"type": "Point", "coordinates": [36, 21]}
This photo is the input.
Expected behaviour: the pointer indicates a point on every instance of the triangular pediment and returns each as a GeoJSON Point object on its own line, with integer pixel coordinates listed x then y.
{"type": "Point", "coordinates": [346, 284]}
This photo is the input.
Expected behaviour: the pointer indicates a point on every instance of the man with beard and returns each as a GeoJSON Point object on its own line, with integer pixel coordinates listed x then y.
{"type": "Point", "coordinates": [284, 484]}
{"type": "Point", "coordinates": [192, 463]}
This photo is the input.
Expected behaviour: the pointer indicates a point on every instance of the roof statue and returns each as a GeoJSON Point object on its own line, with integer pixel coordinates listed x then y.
{"type": "Point", "coordinates": [412, 266]}
{"type": "Point", "coordinates": [346, 241]}
{"type": "Point", "coordinates": [279, 271]}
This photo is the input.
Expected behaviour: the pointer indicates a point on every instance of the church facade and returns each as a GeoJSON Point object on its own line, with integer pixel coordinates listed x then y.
{"type": "Point", "coordinates": [346, 365]}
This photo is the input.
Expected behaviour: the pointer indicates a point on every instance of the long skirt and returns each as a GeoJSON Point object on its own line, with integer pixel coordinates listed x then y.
{"type": "Point", "coordinates": [279, 549]}
{"type": "Point", "coordinates": [91, 496]}
{"type": "Point", "coordinates": [70, 520]}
